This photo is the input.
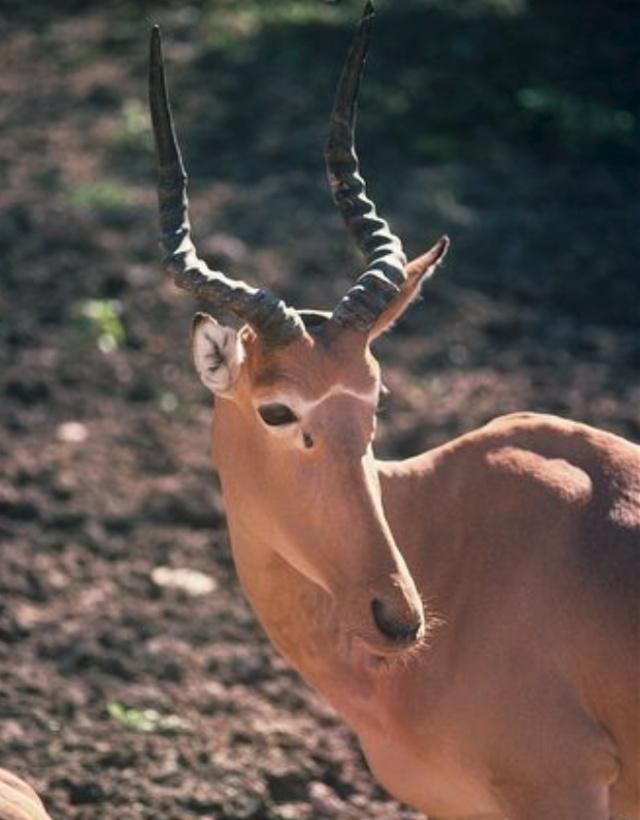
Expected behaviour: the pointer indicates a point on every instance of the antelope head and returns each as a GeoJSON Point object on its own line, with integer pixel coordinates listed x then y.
{"type": "Point", "coordinates": [298, 390]}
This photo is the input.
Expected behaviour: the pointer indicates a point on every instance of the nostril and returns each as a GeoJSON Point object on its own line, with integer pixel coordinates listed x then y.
{"type": "Point", "coordinates": [399, 629]}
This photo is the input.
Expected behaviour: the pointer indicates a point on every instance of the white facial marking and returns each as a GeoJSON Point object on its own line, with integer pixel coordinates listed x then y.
{"type": "Point", "coordinates": [303, 406]}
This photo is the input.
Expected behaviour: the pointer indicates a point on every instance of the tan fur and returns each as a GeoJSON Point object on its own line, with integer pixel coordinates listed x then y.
{"type": "Point", "coordinates": [522, 698]}
{"type": "Point", "coordinates": [18, 801]}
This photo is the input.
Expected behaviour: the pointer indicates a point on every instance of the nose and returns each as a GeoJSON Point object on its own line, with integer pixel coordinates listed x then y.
{"type": "Point", "coordinates": [398, 624]}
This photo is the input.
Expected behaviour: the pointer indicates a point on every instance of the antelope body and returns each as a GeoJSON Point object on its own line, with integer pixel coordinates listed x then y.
{"type": "Point", "coordinates": [472, 612]}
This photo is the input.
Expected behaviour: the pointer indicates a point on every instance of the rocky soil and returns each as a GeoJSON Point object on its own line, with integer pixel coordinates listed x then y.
{"type": "Point", "coordinates": [129, 691]}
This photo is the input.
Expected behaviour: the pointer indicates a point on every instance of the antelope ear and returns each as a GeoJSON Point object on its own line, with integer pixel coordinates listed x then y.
{"type": "Point", "coordinates": [218, 353]}
{"type": "Point", "coordinates": [417, 271]}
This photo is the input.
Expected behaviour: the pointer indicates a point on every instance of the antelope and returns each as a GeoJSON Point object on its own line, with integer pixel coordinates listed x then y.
{"type": "Point", "coordinates": [472, 612]}
{"type": "Point", "coordinates": [18, 801]}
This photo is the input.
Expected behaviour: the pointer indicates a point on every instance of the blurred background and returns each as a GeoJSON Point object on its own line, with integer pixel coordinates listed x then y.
{"type": "Point", "coordinates": [129, 689]}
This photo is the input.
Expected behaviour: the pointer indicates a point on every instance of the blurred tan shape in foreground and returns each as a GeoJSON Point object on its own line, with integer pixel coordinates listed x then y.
{"type": "Point", "coordinates": [18, 801]}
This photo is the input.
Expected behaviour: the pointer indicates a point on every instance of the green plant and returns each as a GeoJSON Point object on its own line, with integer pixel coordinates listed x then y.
{"type": "Point", "coordinates": [99, 320]}
{"type": "Point", "coordinates": [577, 120]}
{"type": "Point", "coordinates": [133, 132]}
{"type": "Point", "coordinates": [230, 23]}
{"type": "Point", "coordinates": [146, 720]}
{"type": "Point", "coordinates": [106, 200]}
{"type": "Point", "coordinates": [100, 197]}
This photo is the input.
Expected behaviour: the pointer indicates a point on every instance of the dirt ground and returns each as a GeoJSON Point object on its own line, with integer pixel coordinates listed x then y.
{"type": "Point", "coordinates": [122, 696]}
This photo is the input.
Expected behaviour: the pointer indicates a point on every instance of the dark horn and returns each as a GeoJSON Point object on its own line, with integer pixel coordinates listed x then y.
{"type": "Point", "coordinates": [276, 323]}
{"type": "Point", "coordinates": [385, 258]}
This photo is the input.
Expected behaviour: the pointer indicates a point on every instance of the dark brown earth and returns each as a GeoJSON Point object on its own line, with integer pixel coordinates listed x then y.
{"type": "Point", "coordinates": [105, 474]}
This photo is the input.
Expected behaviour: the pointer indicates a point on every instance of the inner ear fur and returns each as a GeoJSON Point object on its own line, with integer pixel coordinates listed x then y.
{"type": "Point", "coordinates": [417, 271]}
{"type": "Point", "coordinates": [218, 353]}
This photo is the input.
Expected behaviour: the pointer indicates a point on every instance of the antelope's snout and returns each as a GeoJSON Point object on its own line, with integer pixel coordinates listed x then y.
{"type": "Point", "coordinates": [400, 626]}
{"type": "Point", "coordinates": [394, 616]}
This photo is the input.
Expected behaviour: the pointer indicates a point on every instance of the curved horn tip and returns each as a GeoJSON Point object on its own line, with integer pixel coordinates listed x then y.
{"type": "Point", "coordinates": [155, 47]}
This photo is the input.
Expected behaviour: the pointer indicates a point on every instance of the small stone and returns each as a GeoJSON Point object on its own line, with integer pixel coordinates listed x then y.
{"type": "Point", "coordinates": [325, 801]}
{"type": "Point", "coordinates": [191, 581]}
{"type": "Point", "coordinates": [72, 432]}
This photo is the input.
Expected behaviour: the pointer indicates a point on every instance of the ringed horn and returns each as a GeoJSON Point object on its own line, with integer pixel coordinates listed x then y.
{"type": "Point", "coordinates": [386, 262]}
{"type": "Point", "coordinates": [275, 322]}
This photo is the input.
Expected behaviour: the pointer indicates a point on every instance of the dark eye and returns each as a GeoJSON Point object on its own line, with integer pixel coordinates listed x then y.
{"type": "Point", "coordinates": [275, 415]}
